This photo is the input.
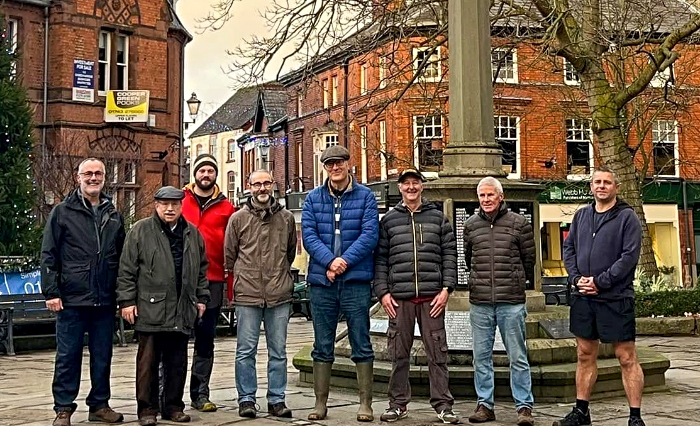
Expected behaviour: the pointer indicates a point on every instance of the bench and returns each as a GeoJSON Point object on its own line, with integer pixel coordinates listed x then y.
{"type": "Point", "coordinates": [301, 304]}
{"type": "Point", "coordinates": [21, 309]}
{"type": "Point", "coordinates": [228, 313]}
{"type": "Point", "coordinates": [556, 290]}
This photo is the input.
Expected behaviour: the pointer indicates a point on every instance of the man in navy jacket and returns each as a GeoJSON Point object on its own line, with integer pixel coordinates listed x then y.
{"type": "Point", "coordinates": [601, 255]}
{"type": "Point", "coordinates": [340, 229]}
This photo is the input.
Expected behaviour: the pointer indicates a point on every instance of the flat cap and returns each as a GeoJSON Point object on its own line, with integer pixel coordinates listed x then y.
{"type": "Point", "coordinates": [336, 152]}
{"type": "Point", "coordinates": [169, 193]}
{"type": "Point", "coordinates": [411, 173]}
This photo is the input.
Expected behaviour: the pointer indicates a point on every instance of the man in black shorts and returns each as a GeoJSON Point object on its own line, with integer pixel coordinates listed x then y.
{"type": "Point", "coordinates": [601, 255]}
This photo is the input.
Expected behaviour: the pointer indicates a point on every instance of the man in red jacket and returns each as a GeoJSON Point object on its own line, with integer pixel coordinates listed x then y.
{"type": "Point", "coordinates": [208, 209]}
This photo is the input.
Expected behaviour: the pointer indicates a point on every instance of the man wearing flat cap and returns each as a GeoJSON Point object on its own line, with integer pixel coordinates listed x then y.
{"type": "Point", "coordinates": [340, 227]}
{"type": "Point", "coordinates": [162, 289]}
{"type": "Point", "coordinates": [417, 244]}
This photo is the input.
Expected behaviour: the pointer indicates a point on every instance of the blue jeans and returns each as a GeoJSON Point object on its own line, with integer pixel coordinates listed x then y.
{"type": "Point", "coordinates": [71, 326]}
{"type": "Point", "coordinates": [510, 320]}
{"type": "Point", "coordinates": [327, 303]}
{"type": "Point", "coordinates": [276, 321]}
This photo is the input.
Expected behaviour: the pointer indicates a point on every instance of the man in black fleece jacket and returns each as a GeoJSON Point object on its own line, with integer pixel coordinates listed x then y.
{"type": "Point", "coordinates": [601, 255]}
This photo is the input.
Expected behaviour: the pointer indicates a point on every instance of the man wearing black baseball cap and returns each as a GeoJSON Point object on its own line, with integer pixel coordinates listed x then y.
{"type": "Point", "coordinates": [162, 289]}
{"type": "Point", "coordinates": [423, 265]}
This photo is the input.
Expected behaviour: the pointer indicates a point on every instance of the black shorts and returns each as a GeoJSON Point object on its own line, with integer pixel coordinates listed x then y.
{"type": "Point", "coordinates": [608, 321]}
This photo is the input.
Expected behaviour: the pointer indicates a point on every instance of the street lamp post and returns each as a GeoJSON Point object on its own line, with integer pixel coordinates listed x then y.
{"type": "Point", "coordinates": [193, 106]}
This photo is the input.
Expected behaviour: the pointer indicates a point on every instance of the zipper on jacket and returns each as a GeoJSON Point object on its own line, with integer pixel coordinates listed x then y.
{"type": "Point", "coordinates": [415, 253]}
{"type": "Point", "coordinates": [493, 272]}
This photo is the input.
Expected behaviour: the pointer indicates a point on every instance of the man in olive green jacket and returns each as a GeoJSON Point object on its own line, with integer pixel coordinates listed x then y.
{"type": "Point", "coordinates": [260, 246]}
{"type": "Point", "coordinates": [162, 288]}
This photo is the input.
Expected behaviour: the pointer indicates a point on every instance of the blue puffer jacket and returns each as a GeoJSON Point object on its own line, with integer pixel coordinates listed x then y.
{"type": "Point", "coordinates": [359, 230]}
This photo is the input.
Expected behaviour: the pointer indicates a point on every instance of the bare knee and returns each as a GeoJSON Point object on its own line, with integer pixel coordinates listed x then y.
{"type": "Point", "coordinates": [587, 350]}
{"type": "Point", "coordinates": [626, 354]}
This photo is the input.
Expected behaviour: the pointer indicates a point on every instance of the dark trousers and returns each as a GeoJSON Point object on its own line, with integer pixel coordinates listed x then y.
{"type": "Point", "coordinates": [171, 347]}
{"type": "Point", "coordinates": [203, 359]}
{"type": "Point", "coordinates": [71, 325]}
{"type": "Point", "coordinates": [400, 340]}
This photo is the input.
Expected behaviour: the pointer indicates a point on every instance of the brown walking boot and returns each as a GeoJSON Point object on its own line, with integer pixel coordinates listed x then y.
{"type": "Point", "coordinates": [482, 415]}
{"type": "Point", "coordinates": [105, 415]}
{"type": "Point", "coordinates": [62, 418]}
{"type": "Point", "coordinates": [525, 417]}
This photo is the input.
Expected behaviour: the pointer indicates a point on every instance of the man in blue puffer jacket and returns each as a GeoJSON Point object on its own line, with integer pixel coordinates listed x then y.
{"type": "Point", "coordinates": [340, 229]}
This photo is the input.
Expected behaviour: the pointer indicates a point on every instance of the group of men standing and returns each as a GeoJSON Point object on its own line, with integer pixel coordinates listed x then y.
{"type": "Point", "coordinates": [171, 274]}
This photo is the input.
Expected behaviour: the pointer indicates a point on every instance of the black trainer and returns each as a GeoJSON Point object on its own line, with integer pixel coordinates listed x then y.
{"type": "Point", "coordinates": [636, 421]}
{"type": "Point", "coordinates": [247, 409]}
{"type": "Point", "coordinates": [575, 418]}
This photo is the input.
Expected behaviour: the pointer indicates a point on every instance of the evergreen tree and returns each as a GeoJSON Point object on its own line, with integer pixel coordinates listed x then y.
{"type": "Point", "coordinates": [18, 231]}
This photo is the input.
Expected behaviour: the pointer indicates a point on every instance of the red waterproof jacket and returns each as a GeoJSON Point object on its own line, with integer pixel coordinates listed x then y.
{"type": "Point", "coordinates": [211, 222]}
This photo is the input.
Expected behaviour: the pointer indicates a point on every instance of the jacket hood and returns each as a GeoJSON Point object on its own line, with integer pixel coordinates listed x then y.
{"type": "Point", "coordinates": [275, 206]}
{"type": "Point", "coordinates": [215, 196]}
{"type": "Point", "coordinates": [76, 200]}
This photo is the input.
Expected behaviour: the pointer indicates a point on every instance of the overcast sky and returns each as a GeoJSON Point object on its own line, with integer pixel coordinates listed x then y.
{"type": "Point", "coordinates": [206, 57]}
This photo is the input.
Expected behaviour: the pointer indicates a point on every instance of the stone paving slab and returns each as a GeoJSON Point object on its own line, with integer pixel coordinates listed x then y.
{"type": "Point", "coordinates": [25, 391]}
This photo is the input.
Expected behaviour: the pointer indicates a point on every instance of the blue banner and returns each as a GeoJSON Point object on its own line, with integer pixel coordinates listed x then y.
{"type": "Point", "coordinates": [20, 283]}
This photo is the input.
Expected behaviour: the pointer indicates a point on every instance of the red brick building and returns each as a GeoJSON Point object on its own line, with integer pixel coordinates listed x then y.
{"type": "Point", "coordinates": [129, 45]}
{"type": "Point", "coordinates": [389, 105]}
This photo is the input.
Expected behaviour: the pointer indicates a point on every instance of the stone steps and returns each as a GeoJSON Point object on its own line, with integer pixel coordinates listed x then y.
{"type": "Point", "coordinates": [551, 383]}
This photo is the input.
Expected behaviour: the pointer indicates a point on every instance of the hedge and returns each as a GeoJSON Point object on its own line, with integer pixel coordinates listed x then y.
{"type": "Point", "coordinates": [669, 303]}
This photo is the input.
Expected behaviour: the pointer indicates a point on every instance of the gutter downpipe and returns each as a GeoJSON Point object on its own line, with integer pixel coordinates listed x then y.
{"type": "Point", "coordinates": [346, 123]}
{"type": "Point", "coordinates": [181, 153]}
{"type": "Point", "coordinates": [689, 228]}
{"type": "Point", "coordinates": [45, 96]}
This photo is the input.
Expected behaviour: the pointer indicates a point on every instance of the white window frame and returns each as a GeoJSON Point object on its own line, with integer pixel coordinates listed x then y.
{"type": "Point", "coordinates": [666, 136]}
{"type": "Point", "coordinates": [514, 124]}
{"type": "Point", "coordinates": [232, 148]}
{"type": "Point", "coordinates": [130, 172]}
{"type": "Point", "coordinates": [300, 98]}
{"type": "Point", "coordinates": [115, 172]}
{"type": "Point", "coordinates": [382, 71]}
{"type": "Point", "coordinates": [417, 139]}
{"type": "Point", "coordinates": [334, 93]}
{"type": "Point", "coordinates": [212, 145]}
{"type": "Point", "coordinates": [660, 78]}
{"type": "Point", "coordinates": [13, 34]}
{"type": "Point", "coordinates": [363, 154]}
{"type": "Point", "coordinates": [322, 141]}
{"type": "Point", "coordinates": [571, 77]}
{"type": "Point", "coordinates": [106, 63]}
{"type": "Point", "coordinates": [198, 150]}
{"type": "Point", "coordinates": [580, 126]}
{"type": "Point", "coordinates": [382, 146]}
{"type": "Point", "coordinates": [514, 65]}
{"type": "Point", "coordinates": [231, 179]}
{"type": "Point", "coordinates": [326, 95]}
{"type": "Point", "coordinates": [124, 64]}
{"type": "Point", "coordinates": [433, 69]}
{"type": "Point", "coordinates": [364, 78]}
{"type": "Point", "coordinates": [130, 201]}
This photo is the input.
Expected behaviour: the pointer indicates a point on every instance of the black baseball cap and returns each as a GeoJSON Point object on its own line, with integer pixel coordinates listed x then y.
{"type": "Point", "coordinates": [411, 173]}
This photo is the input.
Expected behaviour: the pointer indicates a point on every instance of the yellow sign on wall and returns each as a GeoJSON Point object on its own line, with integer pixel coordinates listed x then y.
{"type": "Point", "coordinates": [129, 106]}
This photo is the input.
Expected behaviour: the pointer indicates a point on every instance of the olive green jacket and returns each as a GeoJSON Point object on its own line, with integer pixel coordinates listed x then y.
{"type": "Point", "coordinates": [147, 278]}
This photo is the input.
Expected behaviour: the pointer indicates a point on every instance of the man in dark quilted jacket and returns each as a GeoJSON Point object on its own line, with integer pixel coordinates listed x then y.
{"type": "Point", "coordinates": [499, 250]}
{"type": "Point", "coordinates": [415, 271]}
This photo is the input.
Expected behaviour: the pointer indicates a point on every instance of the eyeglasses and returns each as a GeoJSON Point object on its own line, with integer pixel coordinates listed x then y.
{"type": "Point", "coordinates": [257, 185]}
{"type": "Point", "coordinates": [97, 174]}
{"type": "Point", "coordinates": [330, 164]}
